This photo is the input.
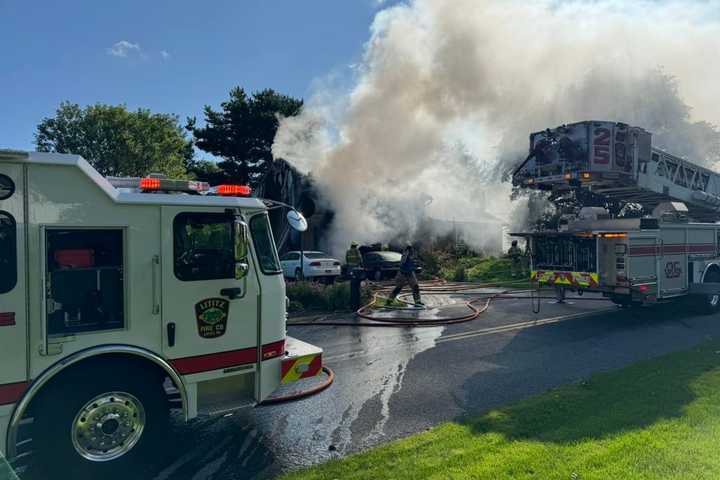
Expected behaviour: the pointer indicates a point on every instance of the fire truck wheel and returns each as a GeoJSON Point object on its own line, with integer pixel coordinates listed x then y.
{"type": "Point", "coordinates": [624, 301]}
{"type": "Point", "coordinates": [100, 426]}
{"type": "Point", "coordinates": [711, 303]}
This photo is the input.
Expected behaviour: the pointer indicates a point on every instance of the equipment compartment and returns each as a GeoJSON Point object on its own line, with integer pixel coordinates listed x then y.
{"type": "Point", "coordinates": [566, 253]}
{"type": "Point", "coordinates": [84, 281]}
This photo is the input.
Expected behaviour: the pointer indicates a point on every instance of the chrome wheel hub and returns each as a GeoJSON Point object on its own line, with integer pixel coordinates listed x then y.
{"type": "Point", "coordinates": [108, 426]}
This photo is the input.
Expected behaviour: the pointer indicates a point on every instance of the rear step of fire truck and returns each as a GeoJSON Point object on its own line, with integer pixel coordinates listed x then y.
{"type": "Point", "coordinates": [301, 361]}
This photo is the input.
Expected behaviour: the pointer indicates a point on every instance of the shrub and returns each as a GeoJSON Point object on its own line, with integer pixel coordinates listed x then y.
{"type": "Point", "coordinates": [430, 261]}
{"type": "Point", "coordinates": [317, 297]}
{"type": "Point", "coordinates": [477, 269]}
{"type": "Point", "coordinates": [338, 296]}
{"type": "Point", "coordinates": [491, 270]}
{"type": "Point", "coordinates": [459, 275]}
{"type": "Point", "coordinates": [295, 306]}
{"type": "Point", "coordinates": [309, 295]}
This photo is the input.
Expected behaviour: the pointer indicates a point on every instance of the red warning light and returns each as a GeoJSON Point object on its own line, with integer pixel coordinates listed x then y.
{"type": "Point", "coordinates": [234, 190]}
{"type": "Point", "coordinates": [150, 184]}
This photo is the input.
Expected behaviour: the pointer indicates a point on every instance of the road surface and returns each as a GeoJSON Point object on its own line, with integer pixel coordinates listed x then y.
{"type": "Point", "coordinates": [393, 382]}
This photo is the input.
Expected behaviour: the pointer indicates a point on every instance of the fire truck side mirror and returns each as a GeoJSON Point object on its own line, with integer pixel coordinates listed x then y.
{"type": "Point", "coordinates": [241, 240]}
{"type": "Point", "coordinates": [297, 221]}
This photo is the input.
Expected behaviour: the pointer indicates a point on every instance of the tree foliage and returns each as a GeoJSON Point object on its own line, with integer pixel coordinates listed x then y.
{"type": "Point", "coordinates": [242, 132]}
{"type": "Point", "coordinates": [116, 141]}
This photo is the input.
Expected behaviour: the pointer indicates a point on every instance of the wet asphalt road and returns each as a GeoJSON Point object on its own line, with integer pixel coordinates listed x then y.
{"type": "Point", "coordinates": [394, 382]}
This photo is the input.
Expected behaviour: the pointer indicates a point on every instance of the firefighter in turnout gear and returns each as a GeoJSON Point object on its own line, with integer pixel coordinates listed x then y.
{"type": "Point", "coordinates": [353, 257]}
{"type": "Point", "coordinates": [516, 260]}
{"type": "Point", "coordinates": [526, 259]}
{"type": "Point", "coordinates": [406, 276]}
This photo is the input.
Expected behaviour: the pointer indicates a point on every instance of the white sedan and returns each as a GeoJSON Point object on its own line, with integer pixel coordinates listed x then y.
{"type": "Point", "coordinates": [315, 265]}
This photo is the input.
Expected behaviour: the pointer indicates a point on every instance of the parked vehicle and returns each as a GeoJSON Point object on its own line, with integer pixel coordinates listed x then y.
{"type": "Point", "coordinates": [315, 265]}
{"type": "Point", "coordinates": [381, 265]}
{"type": "Point", "coordinates": [111, 290]}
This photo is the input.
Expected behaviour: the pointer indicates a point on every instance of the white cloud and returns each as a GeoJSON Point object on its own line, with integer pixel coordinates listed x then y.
{"type": "Point", "coordinates": [164, 54]}
{"type": "Point", "coordinates": [123, 48]}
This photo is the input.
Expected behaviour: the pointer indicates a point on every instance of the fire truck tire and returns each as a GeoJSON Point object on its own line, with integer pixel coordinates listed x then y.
{"type": "Point", "coordinates": [711, 303]}
{"type": "Point", "coordinates": [99, 425]}
{"type": "Point", "coordinates": [624, 301]}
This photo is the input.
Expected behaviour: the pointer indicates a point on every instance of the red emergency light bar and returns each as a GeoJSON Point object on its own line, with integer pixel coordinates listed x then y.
{"type": "Point", "coordinates": [233, 190]}
{"type": "Point", "coordinates": [150, 184]}
{"type": "Point", "coordinates": [155, 184]}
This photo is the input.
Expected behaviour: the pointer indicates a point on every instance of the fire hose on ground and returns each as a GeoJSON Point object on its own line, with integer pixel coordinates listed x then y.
{"type": "Point", "coordinates": [303, 393]}
{"type": "Point", "coordinates": [476, 305]}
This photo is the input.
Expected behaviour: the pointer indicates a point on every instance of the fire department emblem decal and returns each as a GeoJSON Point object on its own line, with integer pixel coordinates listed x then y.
{"type": "Point", "coordinates": [212, 315]}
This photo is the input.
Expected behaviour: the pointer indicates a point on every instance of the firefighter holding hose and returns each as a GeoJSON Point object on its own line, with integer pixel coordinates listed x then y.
{"type": "Point", "coordinates": [406, 276]}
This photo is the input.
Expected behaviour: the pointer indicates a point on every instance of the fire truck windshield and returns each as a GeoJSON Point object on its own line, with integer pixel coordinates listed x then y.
{"type": "Point", "coordinates": [264, 245]}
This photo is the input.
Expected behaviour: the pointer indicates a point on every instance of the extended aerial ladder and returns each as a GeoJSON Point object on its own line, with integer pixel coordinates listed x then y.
{"type": "Point", "coordinates": [619, 162]}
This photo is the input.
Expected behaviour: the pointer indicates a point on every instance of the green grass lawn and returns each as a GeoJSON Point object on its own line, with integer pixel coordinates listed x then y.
{"type": "Point", "coordinates": [658, 419]}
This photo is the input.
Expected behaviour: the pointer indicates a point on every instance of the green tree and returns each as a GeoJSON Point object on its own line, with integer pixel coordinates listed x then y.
{"type": "Point", "coordinates": [118, 142]}
{"type": "Point", "coordinates": [207, 171]}
{"type": "Point", "coordinates": [243, 131]}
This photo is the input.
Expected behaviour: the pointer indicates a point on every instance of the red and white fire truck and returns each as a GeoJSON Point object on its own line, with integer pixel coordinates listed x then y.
{"type": "Point", "coordinates": [116, 292]}
{"type": "Point", "coordinates": [663, 256]}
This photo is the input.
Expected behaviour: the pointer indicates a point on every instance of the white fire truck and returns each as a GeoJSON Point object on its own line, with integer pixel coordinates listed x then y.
{"type": "Point", "coordinates": [633, 261]}
{"type": "Point", "coordinates": [116, 292]}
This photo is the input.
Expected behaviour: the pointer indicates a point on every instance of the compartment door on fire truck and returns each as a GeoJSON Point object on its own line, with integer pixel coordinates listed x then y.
{"type": "Point", "coordinates": [672, 273]}
{"type": "Point", "coordinates": [209, 316]}
{"type": "Point", "coordinates": [13, 315]}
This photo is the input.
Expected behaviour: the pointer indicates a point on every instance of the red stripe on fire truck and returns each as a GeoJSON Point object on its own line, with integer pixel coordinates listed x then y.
{"type": "Point", "coordinates": [273, 350]}
{"type": "Point", "coordinates": [7, 319]}
{"type": "Point", "coordinates": [233, 358]}
{"type": "Point", "coordinates": [11, 392]}
{"type": "Point", "coordinates": [646, 250]}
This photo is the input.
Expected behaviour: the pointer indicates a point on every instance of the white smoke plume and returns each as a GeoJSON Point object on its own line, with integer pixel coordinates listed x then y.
{"type": "Point", "coordinates": [447, 93]}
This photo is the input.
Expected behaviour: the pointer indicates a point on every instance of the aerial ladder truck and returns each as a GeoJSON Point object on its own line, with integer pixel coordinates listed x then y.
{"type": "Point", "coordinates": [667, 255]}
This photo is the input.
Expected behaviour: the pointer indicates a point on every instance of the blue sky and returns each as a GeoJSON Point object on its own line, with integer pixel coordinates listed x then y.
{"type": "Point", "coordinates": [169, 56]}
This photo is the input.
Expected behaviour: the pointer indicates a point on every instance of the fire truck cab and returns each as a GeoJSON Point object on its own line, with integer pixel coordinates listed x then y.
{"type": "Point", "coordinates": [115, 293]}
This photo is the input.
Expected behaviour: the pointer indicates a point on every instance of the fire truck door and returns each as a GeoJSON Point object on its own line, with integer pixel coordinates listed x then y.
{"type": "Point", "coordinates": [672, 273]}
{"type": "Point", "coordinates": [13, 294]}
{"type": "Point", "coordinates": [209, 315]}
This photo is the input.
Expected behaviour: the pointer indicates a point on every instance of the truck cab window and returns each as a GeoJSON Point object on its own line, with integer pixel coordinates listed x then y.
{"type": "Point", "coordinates": [85, 280]}
{"type": "Point", "coordinates": [265, 245]}
{"type": "Point", "coordinates": [8, 252]}
{"type": "Point", "coordinates": [203, 246]}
